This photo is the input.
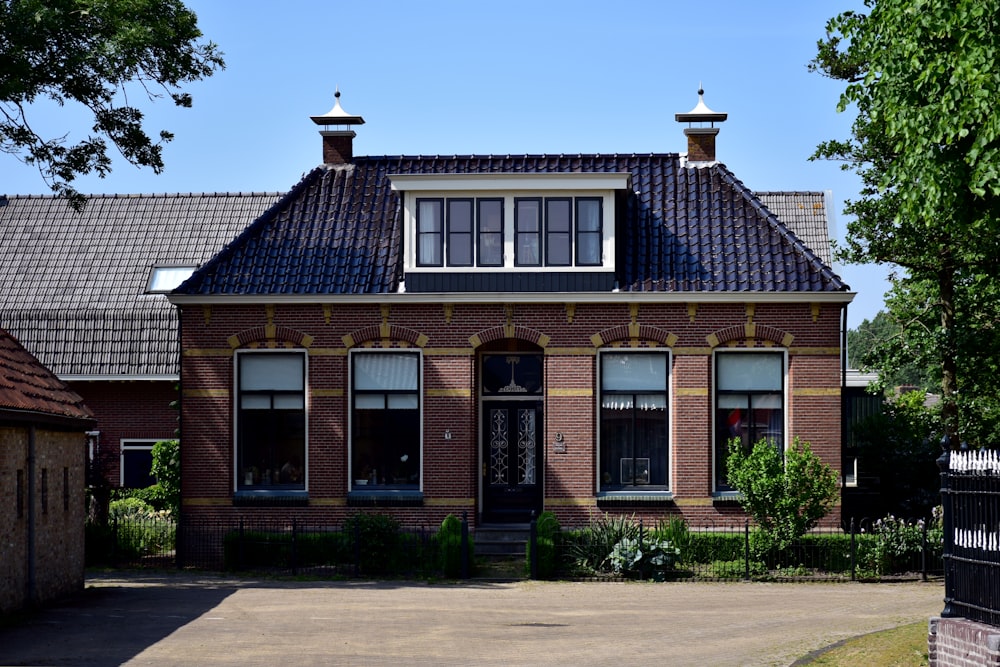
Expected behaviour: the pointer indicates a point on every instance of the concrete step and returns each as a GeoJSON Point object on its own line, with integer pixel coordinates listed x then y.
{"type": "Point", "coordinates": [501, 540]}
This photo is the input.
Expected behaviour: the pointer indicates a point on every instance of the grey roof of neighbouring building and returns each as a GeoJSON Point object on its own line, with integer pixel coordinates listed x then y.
{"type": "Point", "coordinates": [682, 230]}
{"type": "Point", "coordinates": [806, 213]}
{"type": "Point", "coordinates": [73, 285]}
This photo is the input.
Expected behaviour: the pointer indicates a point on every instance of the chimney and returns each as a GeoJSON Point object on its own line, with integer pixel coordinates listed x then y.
{"type": "Point", "coordinates": [701, 131]}
{"type": "Point", "coordinates": [338, 143]}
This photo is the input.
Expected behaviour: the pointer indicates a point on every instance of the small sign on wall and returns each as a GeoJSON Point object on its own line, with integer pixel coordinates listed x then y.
{"type": "Point", "coordinates": [559, 445]}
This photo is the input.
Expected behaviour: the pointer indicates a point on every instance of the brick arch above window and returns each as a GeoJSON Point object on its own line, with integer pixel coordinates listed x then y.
{"type": "Point", "coordinates": [633, 333]}
{"type": "Point", "coordinates": [270, 335]}
{"type": "Point", "coordinates": [384, 333]}
{"type": "Point", "coordinates": [750, 331]}
{"type": "Point", "coordinates": [514, 331]}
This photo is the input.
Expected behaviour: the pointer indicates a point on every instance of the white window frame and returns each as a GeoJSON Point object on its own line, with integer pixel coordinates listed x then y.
{"type": "Point", "coordinates": [509, 187]}
{"type": "Point", "coordinates": [132, 445]}
{"type": "Point", "coordinates": [715, 402]}
{"type": "Point", "coordinates": [236, 418]}
{"type": "Point", "coordinates": [351, 477]}
{"type": "Point", "coordinates": [669, 394]}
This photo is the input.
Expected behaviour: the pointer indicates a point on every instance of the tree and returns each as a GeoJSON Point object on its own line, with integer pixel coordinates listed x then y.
{"type": "Point", "coordinates": [785, 493]}
{"type": "Point", "coordinates": [875, 345]}
{"type": "Point", "coordinates": [923, 75]}
{"type": "Point", "coordinates": [99, 54]}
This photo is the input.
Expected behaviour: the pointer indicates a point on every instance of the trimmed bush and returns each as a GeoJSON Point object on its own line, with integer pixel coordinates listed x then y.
{"type": "Point", "coordinates": [449, 547]}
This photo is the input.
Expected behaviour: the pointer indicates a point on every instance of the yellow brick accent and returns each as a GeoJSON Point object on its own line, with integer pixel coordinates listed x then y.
{"type": "Point", "coordinates": [597, 340]}
{"type": "Point", "coordinates": [348, 340]}
{"type": "Point", "coordinates": [571, 502]}
{"type": "Point", "coordinates": [206, 502]}
{"type": "Point", "coordinates": [209, 352]}
{"type": "Point", "coordinates": [327, 393]}
{"type": "Point", "coordinates": [328, 502]}
{"type": "Point", "coordinates": [474, 341]}
{"type": "Point", "coordinates": [581, 392]}
{"type": "Point", "coordinates": [816, 391]}
{"type": "Point", "coordinates": [691, 391]}
{"type": "Point", "coordinates": [450, 393]}
{"type": "Point", "coordinates": [446, 502]}
{"type": "Point", "coordinates": [712, 340]}
{"type": "Point", "coordinates": [206, 393]}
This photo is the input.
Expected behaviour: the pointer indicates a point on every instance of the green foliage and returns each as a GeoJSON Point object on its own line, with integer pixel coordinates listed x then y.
{"type": "Point", "coordinates": [98, 55]}
{"type": "Point", "coordinates": [923, 77]}
{"type": "Point", "coordinates": [895, 545]}
{"type": "Point", "coordinates": [166, 470]}
{"type": "Point", "coordinates": [449, 546]}
{"type": "Point", "coordinates": [899, 446]}
{"type": "Point", "coordinates": [786, 495]}
{"type": "Point", "coordinates": [880, 339]}
{"type": "Point", "coordinates": [675, 530]}
{"type": "Point", "coordinates": [590, 547]}
{"type": "Point", "coordinates": [258, 549]}
{"type": "Point", "coordinates": [377, 538]}
{"type": "Point", "coordinates": [547, 534]}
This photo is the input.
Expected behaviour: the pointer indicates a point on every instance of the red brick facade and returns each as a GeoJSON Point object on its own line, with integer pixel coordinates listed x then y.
{"type": "Point", "coordinates": [128, 410]}
{"type": "Point", "coordinates": [451, 337]}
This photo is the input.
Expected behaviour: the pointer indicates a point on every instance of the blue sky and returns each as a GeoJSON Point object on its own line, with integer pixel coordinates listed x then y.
{"type": "Point", "coordinates": [436, 77]}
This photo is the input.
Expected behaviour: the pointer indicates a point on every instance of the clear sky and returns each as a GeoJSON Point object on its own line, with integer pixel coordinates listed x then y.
{"type": "Point", "coordinates": [510, 76]}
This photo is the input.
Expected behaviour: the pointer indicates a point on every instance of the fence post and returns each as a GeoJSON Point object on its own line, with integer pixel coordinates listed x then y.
{"type": "Point", "coordinates": [357, 548]}
{"type": "Point", "coordinates": [746, 549]}
{"type": "Point", "coordinates": [240, 554]}
{"type": "Point", "coordinates": [465, 545]}
{"type": "Point", "coordinates": [947, 518]}
{"type": "Point", "coordinates": [533, 546]}
{"type": "Point", "coordinates": [854, 551]}
{"type": "Point", "coordinates": [923, 552]}
{"type": "Point", "coordinates": [295, 559]}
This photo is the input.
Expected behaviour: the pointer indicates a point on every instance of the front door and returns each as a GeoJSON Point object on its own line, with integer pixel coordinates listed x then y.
{"type": "Point", "coordinates": [511, 426]}
{"type": "Point", "coordinates": [512, 487]}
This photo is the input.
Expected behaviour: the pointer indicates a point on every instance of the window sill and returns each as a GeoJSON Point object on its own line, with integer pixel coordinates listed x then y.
{"type": "Point", "coordinates": [634, 498]}
{"type": "Point", "coordinates": [271, 498]}
{"type": "Point", "coordinates": [385, 498]}
{"type": "Point", "coordinates": [726, 499]}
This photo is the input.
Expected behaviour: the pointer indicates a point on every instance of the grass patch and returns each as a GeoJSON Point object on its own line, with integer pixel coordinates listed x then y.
{"type": "Point", "coordinates": [905, 646]}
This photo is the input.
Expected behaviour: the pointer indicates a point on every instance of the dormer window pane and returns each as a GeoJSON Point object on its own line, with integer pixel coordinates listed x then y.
{"type": "Point", "coordinates": [490, 232]}
{"type": "Point", "coordinates": [558, 230]}
{"type": "Point", "coordinates": [430, 231]}
{"type": "Point", "coordinates": [589, 231]}
{"type": "Point", "coordinates": [459, 232]}
{"type": "Point", "coordinates": [527, 232]}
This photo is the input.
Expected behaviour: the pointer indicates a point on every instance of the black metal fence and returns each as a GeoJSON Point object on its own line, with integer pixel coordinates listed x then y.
{"type": "Point", "coordinates": [970, 494]}
{"type": "Point", "coordinates": [885, 549]}
{"type": "Point", "coordinates": [888, 548]}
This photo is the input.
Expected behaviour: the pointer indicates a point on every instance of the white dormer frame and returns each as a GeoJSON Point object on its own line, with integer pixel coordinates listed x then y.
{"type": "Point", "coordinates": [509, 187]}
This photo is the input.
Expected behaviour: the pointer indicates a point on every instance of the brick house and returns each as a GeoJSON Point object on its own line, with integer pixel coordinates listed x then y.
{"type": "Point", "coordinates": [43, 428]}
{"type": "Point", "coordinates": [502, 335]}
{"type": "Point", "coordinates": [84, 293]}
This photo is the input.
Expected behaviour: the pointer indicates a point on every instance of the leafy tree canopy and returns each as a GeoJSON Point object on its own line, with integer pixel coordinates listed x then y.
{"type": "Point", "coordinates": [923, 75]}
{"type": "Point", "coordinates": [100, 54]}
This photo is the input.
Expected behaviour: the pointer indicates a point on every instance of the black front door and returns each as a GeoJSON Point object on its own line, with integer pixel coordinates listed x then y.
{"type": "Point", "coordinates": [512, 460]}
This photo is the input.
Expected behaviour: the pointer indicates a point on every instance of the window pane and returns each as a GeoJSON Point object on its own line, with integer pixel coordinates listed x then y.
{"type": "Point", "coordinates": [588, 249]}
{"type": "Point", "coordinates": [136, 466]}
{"type": "Point", "coordinates": [527, 232]}
{"type": "Point", "coordinates": [386, 372]}
{"type": "Point", "coordinates": [369, 401]}
{"type": "Point", "coordinates": [289, 402]}
{"type": "Point", "coordinates": [271, 450]}
{"type": "Point", "coordinates": [255, 401]}
{"type": "Point", "coordinates": [281, 372]}
{"type": "Point", "coordinates": [166, 278]}
{"type": "Point", "coordinates": [633, 372]}
{"type": "Point", "coordinates": [558, 228]}
{"type": "Point", "coordinates": [490, 232]}
{"type": "Point", "coordinates": [749, 371]}
{"type": "Point", "coordinates": [588, 215]}
{"type": "Point", "coordinates": [386, 452]}
{"type": "Point", "coordinates": [403, 402]}
{"type": "Point", "coordinates": [430, 234]}
{"type": "Point", "coordinates": [459, 232]}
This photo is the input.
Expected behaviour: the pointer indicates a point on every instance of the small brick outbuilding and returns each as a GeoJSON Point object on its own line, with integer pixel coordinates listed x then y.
{"type": "Point", "coordinates": [43, 449]}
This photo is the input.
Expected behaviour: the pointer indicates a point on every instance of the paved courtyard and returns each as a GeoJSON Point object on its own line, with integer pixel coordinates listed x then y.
{"type": "Point", "coordinates": [180, 619]}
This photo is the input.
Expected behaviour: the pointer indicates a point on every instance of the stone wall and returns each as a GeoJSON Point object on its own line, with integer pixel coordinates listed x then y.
{"type": "Point", "coordinates": [958, 642]}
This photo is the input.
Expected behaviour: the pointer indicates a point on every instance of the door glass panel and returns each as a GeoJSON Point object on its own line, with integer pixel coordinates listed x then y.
{"type": "Point", "coordinates": [498, 446]}
{"type": "Point", "coordinates": [526, 446]}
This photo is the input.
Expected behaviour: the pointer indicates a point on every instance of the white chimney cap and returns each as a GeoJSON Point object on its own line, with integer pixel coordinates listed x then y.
{"type": "Point", "coordinates": [701, 113]}
{"type": "Point", "coordinates": [337, 115]}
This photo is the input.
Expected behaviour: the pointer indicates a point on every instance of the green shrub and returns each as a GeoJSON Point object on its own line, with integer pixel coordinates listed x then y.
{"type": "Point", "coordinates": [256, 549]}
{"type": "Point", "coordinates": [449, 547]}
{"type": "Point", "coordinates": [705, 547]}
{"type": "Point", "coordinates": [378, 543]}
{"type": "Point", "coordinates": [675, 530]}
{"type": "Point", "coordinates": [734, 569]}
{"type": "Point", "coordinates": [547, 536]}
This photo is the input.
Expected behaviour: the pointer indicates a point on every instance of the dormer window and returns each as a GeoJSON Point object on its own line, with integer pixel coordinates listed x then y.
{"type": "Point", "coordinates": [463, 229]}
